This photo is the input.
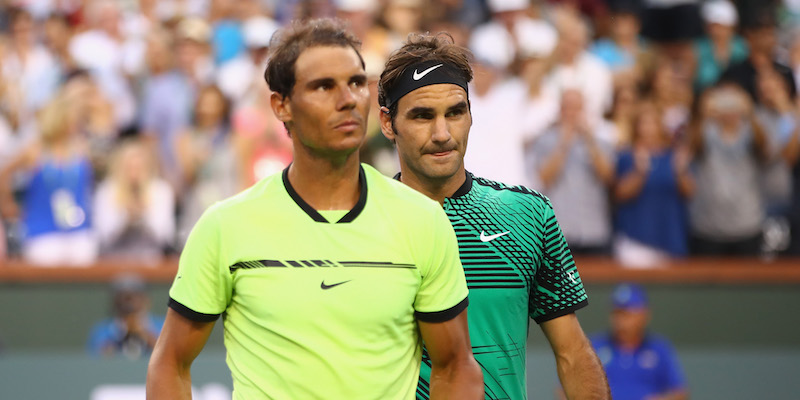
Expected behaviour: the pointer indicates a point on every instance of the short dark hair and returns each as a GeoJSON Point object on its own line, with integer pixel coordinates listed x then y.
{"type": "Point", "coordinates": [422, 47]}
{"type": "Point", "coordinates": [288, 43]}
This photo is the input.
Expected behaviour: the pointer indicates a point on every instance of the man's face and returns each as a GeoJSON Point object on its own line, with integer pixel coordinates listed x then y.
{"type": "Point", "coordinates": [629, 324]}
{"type": "Point", "coordinates": [327, 109]}
{"type": "Point", "coordinates": [432, 125]}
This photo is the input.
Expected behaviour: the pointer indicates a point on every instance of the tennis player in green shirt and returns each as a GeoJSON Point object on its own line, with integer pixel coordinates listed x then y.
{"type": "Point", "coordinates": [518, 265]}
{"type": "Point", "coordinates": [328, 276]}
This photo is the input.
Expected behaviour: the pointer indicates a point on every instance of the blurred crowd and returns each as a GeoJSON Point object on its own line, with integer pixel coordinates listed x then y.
{"type": "Point", "coordinates": [659, 129]}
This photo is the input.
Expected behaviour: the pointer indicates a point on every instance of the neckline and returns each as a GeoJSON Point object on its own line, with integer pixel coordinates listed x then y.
{"type": "Point", "coordinates": [314, 214]}
{"type": "Point", "coordinates": [461, 191]}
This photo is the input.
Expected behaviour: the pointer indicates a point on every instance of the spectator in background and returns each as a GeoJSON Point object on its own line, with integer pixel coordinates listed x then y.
{"type": "Point", "coordinates": [56, 34]}
{"type": "Point", "coordinates": [576, 168]}
{"type": "Point", "coordinates": [134, 210]}
{"type": "Point", "coordinates": [639, 364]}
{"type": "Point", "coordinates": [777, 114]}
{"type": "Point", "coordinates": [761, 33]}
{"type": "Point", "coordinates": [720, 47]}
{"type": "Point", "coordinates": [102, 50]}
{"type": "Point", "coordinates": [497, 101]}
{"type": "Point", "coordinates": [227, 38]}
{"type": "Point", "coordinates": [207, 159]}
{"type": "Point", "coordinates": [672, 25]}
{"type": "Point", "coordinates": [132, 330]}
{"type": "Point", "coordinates": [56, 206]}
{"type": "Point", "coordinates": [238, 76]}
{"type": "Point", "coordinates": [576, 68]}
{"type": "Point", "coordinates": [672, 93]}
{"type": "Point", "coordinates": [727, 211]}
{"type": "Point", "coordinates": [541, 110]}
{"type": "Point", "coordinates": [263, 147]}
{"type": "Point", "coordinates": [653, 184]}
{"type": "Point", "coordinates": [94, 118]}
{"type": "Point", "coordinates": [170, 89]}
{"type": "Point", "coordinates": [28, 67]}
{"type": "Point", "coordinates": [625, 53]}
{"type": "Point", "coordinates": [619, 119]}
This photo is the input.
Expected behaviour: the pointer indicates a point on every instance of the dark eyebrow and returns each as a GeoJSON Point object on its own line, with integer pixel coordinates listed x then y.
{"type": "Point", "coordinates": [320, 82]}
{"type": "Point", "coordinates": [360, 78]}
{"type": "Point", "coordinates": [419, 110]}
{"type": "Point", "coordinates": [457, 107]}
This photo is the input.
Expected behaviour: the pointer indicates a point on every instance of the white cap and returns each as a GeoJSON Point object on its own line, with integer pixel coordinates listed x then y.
{"type": "Point", "coordinates": [356, 5]}
{"type": "Point", "coordinates": [496, 6]}
{"type": "Point", "coordinates": [492, 45]}
{"type": "Point", "coordinates": [258, 31]}
{"type": "Point", "coordinates": [535, 39]}
{"type": "Point", "coordinates": [720, 12]}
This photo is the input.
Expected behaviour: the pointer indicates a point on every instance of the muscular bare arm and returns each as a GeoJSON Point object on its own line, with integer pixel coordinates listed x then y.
{"type": "Point", "coordinates": [169, 371]}
{"type": "Point", "coordinates": [579, 369]}
{"type": "Point", "coordinates": [454, 374]}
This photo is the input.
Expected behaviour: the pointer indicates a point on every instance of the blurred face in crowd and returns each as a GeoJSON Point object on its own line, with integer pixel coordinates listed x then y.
{"type": "Point", "coordinates": [762, 40]}
{"type": "Point", "coordinates": [730, 105]}
{"type": "Point", "coordinates": [189, 52]}
{"type": "Point", "coordinates": [210, 108]}
{"type": "Point", "coordinates": [648, 129]}
{"type": "Point", "coordinates": [158, 54]}
{"type": "Point", "coordinates": [628, 325]}
{"type": "Point", "coordinates": [572, 40]}
{"type": "Point", "coordinates": [571, 106]}
{"type": "Point", "coordinates": [719, 32]}
{"type": "Point", "coordinates": [625, 27]}
{"type": "Point", "coordinates": [625, 101]}
{"type": "Point", "coordinates": [22, 30]}
{"type": "Point", "coordinates": [135, 165]}
{"type": "Point", "coordinates": [403, 16]}
{"type": "Point", "coordinates": [326, 111]}
{"type": "Point", "coordinates": [56, 33]}
{"type": "Point", "coordinates": [431, 129]}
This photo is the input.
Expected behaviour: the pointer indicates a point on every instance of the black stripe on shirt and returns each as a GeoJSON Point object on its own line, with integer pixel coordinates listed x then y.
{"type": "Point", "coordinates": [561, 313]}
{"type": "Point", "coordinates": [190, 314]}
{"type": "Point", "coordinates": [444, 315]}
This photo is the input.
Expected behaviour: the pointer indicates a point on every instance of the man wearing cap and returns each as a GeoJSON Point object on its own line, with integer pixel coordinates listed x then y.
{"type": "Point", "coordinates": [517, 264]}
{"type": "Point", "coordinates": [639, 364]}
{"type": "Point", "coordinates": [721, 47]}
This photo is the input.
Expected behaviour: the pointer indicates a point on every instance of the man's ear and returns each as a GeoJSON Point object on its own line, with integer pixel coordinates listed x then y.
{"type": "Point", "coordinates": [386, 124]}
{"type": "Point", "coordinates": [281, 107]}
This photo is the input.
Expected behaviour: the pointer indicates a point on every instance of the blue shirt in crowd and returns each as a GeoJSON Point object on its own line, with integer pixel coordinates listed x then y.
{"type": "Point", "coordinates": [651, 369]}
{"type": "Point", "coordinates": [58, 197]}
{"type": "Point", "coordinates": [657, 217]}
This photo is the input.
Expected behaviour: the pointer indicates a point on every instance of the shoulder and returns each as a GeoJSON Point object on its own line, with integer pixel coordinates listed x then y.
{"type": "Point", "coordinates": [248, 198]}
{"type": "Point", "coordinates": [395, 194]}
{"type": "Point", "coordinates": [659, 343]}
{"type": "Point", "coordinates": [488, 189]}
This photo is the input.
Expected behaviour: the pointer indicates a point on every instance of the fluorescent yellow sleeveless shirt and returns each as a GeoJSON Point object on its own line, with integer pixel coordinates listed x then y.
{"type": "Point", "coordinates": [322, 310]}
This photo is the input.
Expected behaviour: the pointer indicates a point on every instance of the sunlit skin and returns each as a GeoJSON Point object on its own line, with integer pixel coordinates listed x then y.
{"type": "Point", "coordinates": [326, 111]}
{"type": "Point", "coordinates": [430, 130]}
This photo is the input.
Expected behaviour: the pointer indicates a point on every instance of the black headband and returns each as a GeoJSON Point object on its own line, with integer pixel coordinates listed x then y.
{"type": "Point", "coordinates": [424, 74]}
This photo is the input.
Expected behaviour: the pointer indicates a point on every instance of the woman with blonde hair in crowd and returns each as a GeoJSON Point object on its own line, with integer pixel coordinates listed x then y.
{"type": "Point", "coordinates": [651, 192]}
{"type": "Point", "coordinates": [134, 208]}
{"type": "Point", "coordinates": [56, 205]}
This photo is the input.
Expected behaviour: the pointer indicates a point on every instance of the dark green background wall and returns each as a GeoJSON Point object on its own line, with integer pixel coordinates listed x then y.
{"type": "Point", "coordinates": [735, 341]}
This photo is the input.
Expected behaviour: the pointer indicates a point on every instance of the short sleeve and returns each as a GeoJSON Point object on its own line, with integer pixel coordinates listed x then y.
{"type": "Point", "coordinates": [203, 286]}
{"type": "Point", "coordinates": [443, 291]}
{"type": "Point", "coordinates": [673, 378]}
{"type": "Point", "coordinates": [557, 289]}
